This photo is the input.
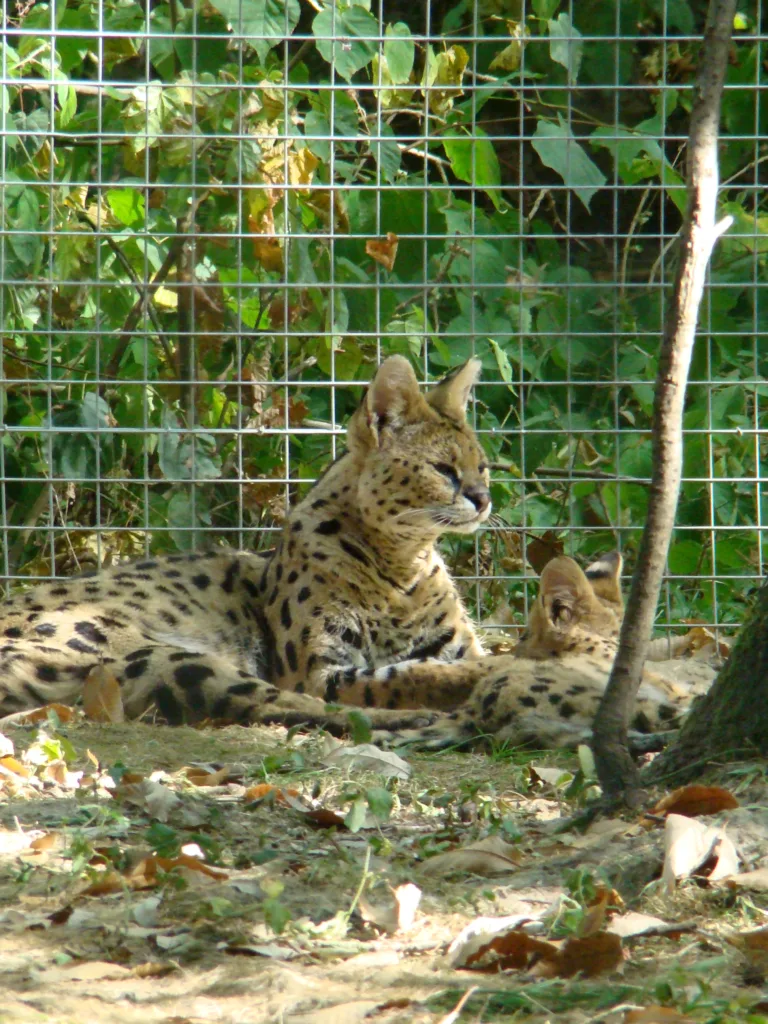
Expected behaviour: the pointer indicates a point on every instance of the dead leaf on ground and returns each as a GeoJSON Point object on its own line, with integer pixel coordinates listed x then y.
{"type": "Point", "coordinates": [399, 915]}
{"type": "Point", "coordinates": [589, 956]}
{"type": "Point", "coordinates": [369, 757]}
{"type": "Point", "coordinates": [489, 856]}
{"type": "Point", "coordinates": [383, 250]}
{"type": "Point", "coordinates": [102, 697]}
{"type": "Point", "coordinates": [689, 844]}
{"type": "Point", "coordinates": [628, 926]}
{"type": "Point", "coordinates": [481, 931]}
{"type": "Point", "coordinates": [36, 715]}
{"type": "Point", "coordinates": [756, 880]}
{"type": "Point", "coordinates": [656, 1015]}
{"type": "Point", "coordinates": [152, 796]}
{"type": "Point", "coordinates": [692, 801]}
{"type": "Point", "coordinates": [146, 874]}
{"type": "Point", "coordinates": [204, 777]}
{"type": "Point", "coordinates": [266, 789]}
{"type": "Point", "coordinates": [15, 767]}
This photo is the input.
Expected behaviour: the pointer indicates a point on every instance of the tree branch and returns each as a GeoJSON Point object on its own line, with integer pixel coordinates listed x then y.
{"type": "Point", "coordinates": [615, 767]}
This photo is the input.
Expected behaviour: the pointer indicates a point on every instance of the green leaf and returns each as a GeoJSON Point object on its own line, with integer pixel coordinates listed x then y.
{"type": "Point", "coordinates": [684, 558]}
{"type": "Point", "coordinates": [127, 204]}
{"type": "Point", "coordinates": [399, 52]}
{"type": "Point", "coordinates": [544, 9]}
{"type": "Point", "coordinates": [355, 816]}
{"type": "Point", "coordinates": [359, 727]}
{"type": "Point", "coordinates": [380, 802]}
{"type": "Point", "coordinates": [67, 97]}
{"type": "Point", "coordinates": [503, 363]}
{"type": "Point", "coordinates": [566, 46]}
{"type": "Point", "coordinates": [264, 22]}
{"type": "Point", "coordinates": [386, 153]}
{"type": "Point", "coordinates": [345, 37]}
{"type": "Point", "coordinates": [473, 159]}
{"type": "Point", "coordinates": [186, 456]}
{"type": "Point", "coordinates": [276, 914]}
{"type": "Point", "coordinates": [558, 149]}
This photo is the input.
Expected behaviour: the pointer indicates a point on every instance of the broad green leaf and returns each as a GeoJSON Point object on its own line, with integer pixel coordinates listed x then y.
{"type": "Point", "coordinates": [67, 97]}
{"type": "Point", "coordinates": [685, 557]}
{"type": "Point", "coordinates": [473, 159]}
{"type": "Point", "coordinates": [346, 38]}
{"type": "Point", "coordinates": [127, 204]}
{"type": "Point", "coordinates": [359, 727]}
{"type": "Point", "coordinates": [185, 515]}
{"type": "Point", "coordinates": [399, 52]}
{"type": "Point", "coordinates": [386, 153]}
{"type": "Point", "coordinates": [276, 914]}
{"type": "Point", "coordinates": [379, 801]}
{"type": "Point", "coordinates": [355, 816]}
{"type": "Point", "coordinates": [544, 9]}
{"type": "Point", "coordinates": [565, 45]}
{"type": "Point", "coordinates": [503, 363]}
{"type": "Point", "coordinates": [264, 22]}
{"type": "Point", "coordinates": [558, 149]}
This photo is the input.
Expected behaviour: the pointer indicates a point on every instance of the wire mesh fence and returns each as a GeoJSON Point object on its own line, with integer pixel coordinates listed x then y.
{"type": "Point", "coordinates": [216, 218]}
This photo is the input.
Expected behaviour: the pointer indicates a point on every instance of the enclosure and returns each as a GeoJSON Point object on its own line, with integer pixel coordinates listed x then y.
{"type": "Point", "coordinates": [217, 217]}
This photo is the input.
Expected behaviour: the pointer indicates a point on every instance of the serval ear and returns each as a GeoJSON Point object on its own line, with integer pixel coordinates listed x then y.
{"type": "Point", "coordinates": [604, 576]}
{"type": "Point", "coordinates": [563, 589]}
{"type": "Point", "coordinates": [392, 400]}
{"type": "Point", "coordinates": [451, 394]}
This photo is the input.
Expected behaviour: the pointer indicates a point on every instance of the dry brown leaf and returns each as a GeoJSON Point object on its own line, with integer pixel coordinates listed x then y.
{"type": "Point", "coordinates": [655, 1015]}
{"type": "Point", "coordinates": [589, 956]}
{"type": "Point", "coordinates": [102, 698]}
{"type": "Point", "coordinates": [597, 914]}
{"type": "Point", "coordinates": [692, 801]}
{"type": "Point", "coordinates": [266, 789]}
{"type": "Point", "coordinates": [324, 817]}
{"type": "Point", "coordinates": [512, 950]}
{"type": "Point", "coordinates": [64, 712]}
{"type": "Point", "coordinates": [383, 250]}
{"type": "Point", "coordinates": [687, 845]}
{"type": "Point", "coordinates": [12, 765]}
{"type": "Point", "coordinates": [489, 856]}
{"type": "Point", "coordinates": [629, 925]}
{"type": "Point", "coordinates": [202, 777]}
{"type": "Point", "coordinates": [399, 915]}
{"type": "Point", "coordinates": [756, 880]}
{"type": "Point", "coordinates": [44, 843]}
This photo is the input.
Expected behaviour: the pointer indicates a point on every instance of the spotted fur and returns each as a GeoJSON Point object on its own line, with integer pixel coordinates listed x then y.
{"type": "Point", "coordinates": [355, 606]}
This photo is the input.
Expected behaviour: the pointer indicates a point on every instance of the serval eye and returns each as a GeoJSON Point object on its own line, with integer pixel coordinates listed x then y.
{"type": "Point", "coordinates": [447, 470]}
{"type": "Point", "coordinates": [482, 467]}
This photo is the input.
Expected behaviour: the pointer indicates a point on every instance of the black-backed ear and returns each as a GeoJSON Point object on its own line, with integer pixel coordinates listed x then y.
{"type": "Point", "coordinates": [563, 586]}
{"type": "Point", "coordinates": [451, 394]}
{"type": "Point", "coordinates": [392, 400]}
{"type": "Point", "coordinates": [605, 577]}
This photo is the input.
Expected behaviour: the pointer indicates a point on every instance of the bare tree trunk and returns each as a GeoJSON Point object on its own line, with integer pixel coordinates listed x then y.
{"type": "Point", "coordinates": [728, 721]}
{"type": "Point", "coordinates": [616, 769]}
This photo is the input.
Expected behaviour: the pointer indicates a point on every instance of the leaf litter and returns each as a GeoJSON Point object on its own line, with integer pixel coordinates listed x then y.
{"type": "Point", "coordinates": [233, 874]}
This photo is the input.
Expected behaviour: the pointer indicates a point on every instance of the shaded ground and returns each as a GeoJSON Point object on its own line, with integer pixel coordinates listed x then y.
{"type": "Point", "coordinates": [131, 890]}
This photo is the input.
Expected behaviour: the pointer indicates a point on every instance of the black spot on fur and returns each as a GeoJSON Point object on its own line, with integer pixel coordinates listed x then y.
{"type": "Point", "coordinates": [490, 699]}
{"type": "Point", "coordinates": [88, 631]}
{"type": "Point", "coordinates": [58, 591]}
{"type": "Point", "coordinates": [285, 615]}
{"type": "Point", "coordinates": [182, 656]}
{"type": "Point", "coordinates": [202, 581]}
{"type": "Point", "coordinates": [46, 673]}
{"type": "Point", "coordinates": [351, 636]}
{"type": "Point", "coordinates": [77, 645]}
{"type": "Point", "coordinates": [319, 502]}
{"type": "Point", "coordinates": [168, 617]}
{"type": "Point", "coordinates": [354, 551]}
{"type": "Point", "coordinates": [555, 698]}
{"type": "Point", "coordinates": [290, 656]}
{"type": "Point", "coordinates": [136, 669]}
{"type": "Point", "coordinates": [13, 633]}
{"type": "Point", "coordinates": [244, 689]}
{"type": "Point", "coordinates": [137, 655]}
{"type": "Point", "coordinates": [292, 576]}
{"type": "Point", "coordinates": [332, 688]}
{"type": "Point", "coordinates": [232, 616]}
{"type": "Point", "coordinates": [251, 588]}
{"type": "Point", "coordinates": [146, 565]}
{"type": "Point", "coordinates": [192, 676]}
{"type": "Point", "coordinates": [328, 528]}
{"type": "Point", "coordinates": [319, 556]}
{"type": "Point", "coordinates": [368, 697]}
{"type": "Point", "coordinates": [233, 570]}
{"type": "Point", "coordinates": [172, 574]}
{"type": "Point", "coordinates": [433, 647]}
{"type": "Point", "coordinates": [168, 705]}
{"type": "Point", "coordinates": [527, 701]}
{"type": "Point", "coordinates": [567, 710]}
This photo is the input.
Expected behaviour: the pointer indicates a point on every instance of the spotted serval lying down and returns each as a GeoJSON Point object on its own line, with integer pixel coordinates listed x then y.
{"type": "Point", "coordinates": [355, 605]}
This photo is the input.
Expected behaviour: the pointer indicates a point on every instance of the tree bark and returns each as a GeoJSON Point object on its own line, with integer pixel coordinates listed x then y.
{"type": "Point", "coordinates": [615, 767]}
{"type": "Point", "coordinates": [729, 720]}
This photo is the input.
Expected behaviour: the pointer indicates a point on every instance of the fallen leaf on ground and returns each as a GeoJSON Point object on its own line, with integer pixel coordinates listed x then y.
{"type": "Point", "coordinates": [154, 797]}
{"type": "Point", "coordinates": [15, 767]}
{"type": "Point", "coordinates": [628, 926]}
{"type": "Point", "coordinates": [479, 933]}
{"type": "Point", "coordinates": [754, 946]}
{"type": "Point", "coordinates": [203, 777]}
{"type": "Point", "coordinates": [399, 915]}
{"type": "Point", "coordinates": [689, 844]}
{"type": "Point", "coordinates": [370, 758]}
{"type": "Point", "coordinates": [549, 776]}
{"type": "Point", "coordinates": [489, 856]}
{"type": "Point", "coordinates": [692, 801]}
{"type": "Point", "coordinates": [102, 697]}
{"type": "Point", "coordinates": [756, 880]}
{"type": "Point", "coordinates": [655, 1015]}
{"type": "Point", "coordinates": [265, 789]}
{"type": "Point", "coordinates": [64, 712]}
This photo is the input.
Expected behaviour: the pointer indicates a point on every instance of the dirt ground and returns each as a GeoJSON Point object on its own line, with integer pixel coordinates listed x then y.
{"type": "Point", "coordinates": [150, 874]}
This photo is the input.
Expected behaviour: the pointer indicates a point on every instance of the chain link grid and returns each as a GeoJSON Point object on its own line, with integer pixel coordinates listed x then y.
{"type": "Point", "coordinates": [216, 219]}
